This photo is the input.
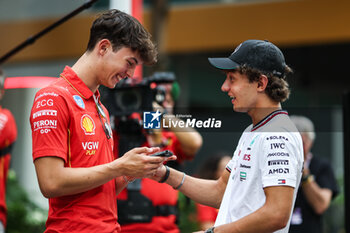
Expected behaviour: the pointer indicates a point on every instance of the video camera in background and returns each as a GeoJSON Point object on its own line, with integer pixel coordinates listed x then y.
{"type": "Point", "coordinates": [129, 97]}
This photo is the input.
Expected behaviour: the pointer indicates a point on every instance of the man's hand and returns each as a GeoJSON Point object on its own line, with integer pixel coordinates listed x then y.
{"type": "Point", "coordinates": [160, 172]}
{"type": "Point", "coordinates": [138, 164]}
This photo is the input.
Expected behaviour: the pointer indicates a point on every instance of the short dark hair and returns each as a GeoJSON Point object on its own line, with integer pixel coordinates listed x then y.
{"type": "Point", "coordinates": [277, 87]}
{"type": "Point", "coordinates": [123, 30]}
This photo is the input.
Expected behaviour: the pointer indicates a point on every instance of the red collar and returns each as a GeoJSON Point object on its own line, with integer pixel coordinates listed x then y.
{"type": "Point", "coordinates": [77, 84]}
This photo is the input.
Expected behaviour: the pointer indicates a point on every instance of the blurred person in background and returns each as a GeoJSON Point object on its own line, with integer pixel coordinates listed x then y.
{"type": "Point", "coordinates": [71, 132]}
{"type": "Point", "coordinates": [257, 191]}
{"type": "Point", "coordinates": [148, 206]}
{"type": "Point", "coordinates": [211, 169]}
{"type": "Point", "coordinates": [318, 184]}
{"type": "Point", "coordinates": [8, 136]}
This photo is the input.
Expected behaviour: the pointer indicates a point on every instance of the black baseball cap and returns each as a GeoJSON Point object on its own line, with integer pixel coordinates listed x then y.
{"type": "Point", "coordinates": [257, 54]}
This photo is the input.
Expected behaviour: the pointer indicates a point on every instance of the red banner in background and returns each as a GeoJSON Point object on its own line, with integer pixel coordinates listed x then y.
{"type": "Point", "coordinates": [28, 82]}
{"type": "Point", "coordinates": [136, 11]}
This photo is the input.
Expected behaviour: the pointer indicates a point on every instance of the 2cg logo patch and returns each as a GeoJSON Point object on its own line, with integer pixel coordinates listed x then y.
{"type": "Point", "coordinates": [151, 120]}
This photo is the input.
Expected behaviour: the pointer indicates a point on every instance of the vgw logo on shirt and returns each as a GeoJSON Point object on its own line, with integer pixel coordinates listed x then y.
{"type": "Point", "coordinates": [151, 120]}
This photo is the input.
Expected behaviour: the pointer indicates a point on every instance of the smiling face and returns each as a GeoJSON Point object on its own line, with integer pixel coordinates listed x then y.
{"type": "Point", "coordinates": [116, 65]}
{"type": "Point", "coordinates": [243, 93]}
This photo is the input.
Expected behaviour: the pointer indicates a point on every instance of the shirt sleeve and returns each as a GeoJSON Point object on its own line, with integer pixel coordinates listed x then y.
{"type": "Point", "coordinates": [279, 163]}
{"type": "Point", "coordinates": [49, 121]}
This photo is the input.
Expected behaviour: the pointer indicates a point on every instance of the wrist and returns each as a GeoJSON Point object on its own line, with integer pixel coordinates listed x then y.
{"type": "Point", "coordinates": [129, 179]}
{"type": "Point", "coordinates": [210, 230]}
{"type": "Point", "coordinates": [166, 175]}
{"type": "Point", "coordinates": [307, 179]}
{"type": "Point", "coordinates": [306, 172]}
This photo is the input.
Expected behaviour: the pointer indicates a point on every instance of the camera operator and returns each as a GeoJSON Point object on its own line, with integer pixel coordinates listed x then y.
{"type": "Point", "coordinates": [161, 212]}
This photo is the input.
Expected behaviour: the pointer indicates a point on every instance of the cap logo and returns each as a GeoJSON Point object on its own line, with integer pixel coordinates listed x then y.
{"type": "Point", "coordinates": [238, 47]}
{"type": "Point", "coordinates": [87, 124]}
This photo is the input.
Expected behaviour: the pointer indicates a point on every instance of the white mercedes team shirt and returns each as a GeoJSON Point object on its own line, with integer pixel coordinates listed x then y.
{"type": "Point", "coordinates": [268, 154]}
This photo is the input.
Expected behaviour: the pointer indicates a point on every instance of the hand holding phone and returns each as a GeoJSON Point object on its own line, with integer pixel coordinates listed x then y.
{"type": "Point", "coordinates": [166, 153]}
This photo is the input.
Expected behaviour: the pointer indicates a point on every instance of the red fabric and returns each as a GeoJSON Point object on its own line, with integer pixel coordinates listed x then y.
{"type": "Point", "coordinates": [28, 82]}
{"type": "Point", "coordinates": [8, 135]}
{"type": "Point", "coordinates": [159, 194]}
{"type": "Point", "coordinates": [65, 124]}
{"type": "Point", "coordinates": [206, 213]}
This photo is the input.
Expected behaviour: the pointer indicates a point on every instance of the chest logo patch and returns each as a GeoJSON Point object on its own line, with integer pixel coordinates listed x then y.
{"type": "Point", "coordinates": [87, 124]}
{"type": "Point", "coordinates": [79, 101]}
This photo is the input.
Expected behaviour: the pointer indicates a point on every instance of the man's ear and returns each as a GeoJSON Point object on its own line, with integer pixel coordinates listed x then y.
{"type": "Point", "coordinates": [103, 46]}
{"type": "Point", "coordinates": [262, 83]}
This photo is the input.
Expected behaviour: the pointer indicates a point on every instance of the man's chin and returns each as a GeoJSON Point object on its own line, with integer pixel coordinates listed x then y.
{"type": "Point", "coordinates": [238, 109]}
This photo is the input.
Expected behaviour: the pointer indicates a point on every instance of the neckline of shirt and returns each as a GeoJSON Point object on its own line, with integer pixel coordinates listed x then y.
{"type": "Point", "coordinates": [268, 118]}
{"type": "Point", "coordinates": [77, 84]}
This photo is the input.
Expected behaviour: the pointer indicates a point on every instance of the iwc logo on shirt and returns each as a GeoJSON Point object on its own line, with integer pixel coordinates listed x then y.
{"type": "Point", "coordinates": [87, 124]}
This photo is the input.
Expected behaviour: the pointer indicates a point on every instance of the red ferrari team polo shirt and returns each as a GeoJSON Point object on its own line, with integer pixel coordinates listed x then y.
{"type": "Point", "coordinates": [8, 135]}
{"type": "Point", "coordinates": [65, 123]}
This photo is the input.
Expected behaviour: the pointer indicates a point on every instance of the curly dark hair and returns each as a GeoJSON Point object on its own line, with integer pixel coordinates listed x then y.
{"type": "Point", "coordinates": [277, 87]}
{"type": "Point", "coordinates": [123, 30]}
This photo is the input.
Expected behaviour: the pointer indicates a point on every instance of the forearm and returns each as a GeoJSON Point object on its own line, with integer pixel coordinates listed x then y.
{"type": "Point", "coordinates": [206, 192]}
{"type": "Point", "coordinates": [260, 221]}
{"type": "Point", "coordinates": [190, 142]}
{"type": "Point", "coordinates": [189, 138]}
{"type": "Point", "coordinates": [319, 198]}
{"type": "Point", "coordinates": [67, 181]}
{"type": "Point", "coordinates": [120, 183]}
{"type": "Point", "coordinates": [57, 180]}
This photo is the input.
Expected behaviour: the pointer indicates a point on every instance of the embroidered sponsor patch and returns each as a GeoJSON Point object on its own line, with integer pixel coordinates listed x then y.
{"type": "Point", "coordinates": [44, 103]}
{"type": "Point", "coordinates": [79, 101]}
{"type": "Point", "coordinates": [48, 112]}
{"type": "Point", "coordinates": [87, 124]}
{"type": "Point", "coordinates": [45, 124]}
{"type": "Point", "coordinates": [46, 94]}
{"type": "Point", "coordinates": [90, 147]}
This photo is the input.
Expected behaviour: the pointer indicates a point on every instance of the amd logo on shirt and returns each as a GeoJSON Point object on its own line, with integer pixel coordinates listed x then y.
{"type": "Point", "coordinates": [279, 170]}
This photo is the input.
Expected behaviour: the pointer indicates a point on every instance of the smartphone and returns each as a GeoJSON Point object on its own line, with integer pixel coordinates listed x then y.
{"type": "Point", "coordinates": [166, 153]}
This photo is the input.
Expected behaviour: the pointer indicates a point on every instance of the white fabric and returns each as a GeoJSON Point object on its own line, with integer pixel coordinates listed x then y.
{"type": "Point", "coordinates": [271, 155]}
{"type": "Point", "coordinates": [2, 229]}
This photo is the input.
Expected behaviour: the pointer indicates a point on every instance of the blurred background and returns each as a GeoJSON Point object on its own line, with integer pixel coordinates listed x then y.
{"type": "Point", "coordinates": [314, 36]}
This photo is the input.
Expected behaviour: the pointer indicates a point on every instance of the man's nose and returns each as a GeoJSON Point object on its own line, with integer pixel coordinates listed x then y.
{"type": "Point", "coordinates": [225, 86]}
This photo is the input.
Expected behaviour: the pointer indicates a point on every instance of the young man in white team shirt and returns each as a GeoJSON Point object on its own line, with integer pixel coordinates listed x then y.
{"type": "Point", "coordinates": [257, 191]}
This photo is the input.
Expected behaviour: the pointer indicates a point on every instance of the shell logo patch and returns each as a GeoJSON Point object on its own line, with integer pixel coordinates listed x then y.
{"type": "Point", "coordinates": [87, 124]}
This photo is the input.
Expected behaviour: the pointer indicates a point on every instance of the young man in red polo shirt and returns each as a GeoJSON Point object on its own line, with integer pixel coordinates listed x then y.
{"type": "Point", "coordinates": [72, 140]}
{"type": "Point", "coordinates": [8, 135]}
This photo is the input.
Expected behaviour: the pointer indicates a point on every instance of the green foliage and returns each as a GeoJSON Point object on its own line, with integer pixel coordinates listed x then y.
{"type": "Point", "coordinates": [334, 216]}
{"type": "Point", "coordinates": [188, 215]}
{"type": "Point", "coordinates": [22, 214]}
